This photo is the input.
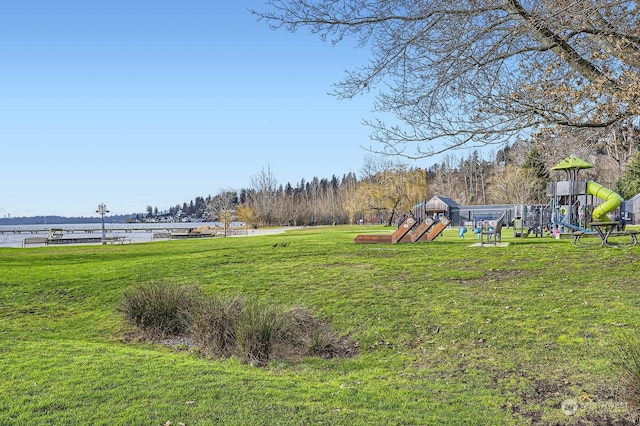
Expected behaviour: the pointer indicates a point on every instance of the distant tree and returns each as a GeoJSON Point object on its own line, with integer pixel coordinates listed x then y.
{"type": "Point", "coordinates": [620, 145]}
{"type": "Point", "coordinates": [628, 186]}
{"type": "Point", "coordinates": [462, 178]}
{"type": "Point", "coordinates": [535, 169]}
{"type": "Point", "coordinates": [388, 187]}
{"type": "Point", "coordinates": [473, 171]}
{"type": "Point", "coordinates": [262, 195]}
{"type": "Point", "coordinates": [513, 185]}
{"type": "Point", "coordinates": [284, 211]}
{"type": "Point", "coordinates": [443, 180]}
{"type": "Point", "coordinates": [222, 207]}
{"type": "Point", "coordinates": [242, 199]}
{"type": "Point", "coordinates": [199, 207]}
{"type": "Point", "coordinates": [247, 215]}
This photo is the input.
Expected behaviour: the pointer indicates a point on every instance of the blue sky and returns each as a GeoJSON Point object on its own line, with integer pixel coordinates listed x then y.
{"type": "Point", "coordinates": [136, 103]}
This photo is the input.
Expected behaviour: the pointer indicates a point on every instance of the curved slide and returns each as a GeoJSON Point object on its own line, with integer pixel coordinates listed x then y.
{"type": "Point", "coordinates": [611, 200]}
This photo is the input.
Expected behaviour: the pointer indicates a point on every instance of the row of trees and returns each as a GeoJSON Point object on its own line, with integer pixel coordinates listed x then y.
{"type": "Point", "coordinates": [195, 208]}
{"type": "Point", "coordinates": [389, 187]}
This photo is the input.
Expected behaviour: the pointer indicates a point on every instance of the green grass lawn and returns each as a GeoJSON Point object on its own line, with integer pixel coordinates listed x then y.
{"type": "Point", "coordinates": [447, 333]}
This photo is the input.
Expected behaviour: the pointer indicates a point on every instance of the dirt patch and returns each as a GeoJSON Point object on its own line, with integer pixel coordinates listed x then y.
{"type": "Point", "coordinates": [595, 410]}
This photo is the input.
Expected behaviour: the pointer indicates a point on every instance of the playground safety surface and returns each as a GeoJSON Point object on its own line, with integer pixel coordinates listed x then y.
{"type": "Point", "coordinates": [490, 244]}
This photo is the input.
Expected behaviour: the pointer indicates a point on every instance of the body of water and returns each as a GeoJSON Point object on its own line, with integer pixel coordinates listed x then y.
{"type": "Point", "coordinates": [131, 232]}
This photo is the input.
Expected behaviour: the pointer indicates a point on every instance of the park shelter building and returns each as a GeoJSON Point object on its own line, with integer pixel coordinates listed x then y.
{"type": "Point", "coordinates": [436, 207]}
{"type": "Point", "coordinates": [461, 215]}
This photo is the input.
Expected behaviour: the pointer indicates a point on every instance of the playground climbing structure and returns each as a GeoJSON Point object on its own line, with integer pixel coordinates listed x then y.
{"type": "Point", "coordinates": [575, 203]}
{"type": "Point", "coordinates": [531, 220]}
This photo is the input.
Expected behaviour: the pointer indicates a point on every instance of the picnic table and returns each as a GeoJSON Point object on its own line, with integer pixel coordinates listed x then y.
{"type": "Point", "coordinates": [605, 230]}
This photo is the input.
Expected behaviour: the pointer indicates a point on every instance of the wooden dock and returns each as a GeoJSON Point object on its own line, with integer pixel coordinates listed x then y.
{"type": "Point", "coordinates": [73, 240]}
{"type": "Point", "coordinates": [96, 228]}
{"type": "Point", "coordinates": [46, 230]}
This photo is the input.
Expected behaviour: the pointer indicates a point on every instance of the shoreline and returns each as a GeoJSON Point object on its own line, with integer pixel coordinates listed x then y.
{"type": "Point", "coordinates": [116, 238]}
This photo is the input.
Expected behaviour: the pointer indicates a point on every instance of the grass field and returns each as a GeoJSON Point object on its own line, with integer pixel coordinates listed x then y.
{"type": "Point", "coordinates": [447, 333]}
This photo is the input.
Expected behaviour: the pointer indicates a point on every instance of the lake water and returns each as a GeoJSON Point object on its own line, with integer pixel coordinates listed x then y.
{"type": "Point", "coordinates": [132, 232]}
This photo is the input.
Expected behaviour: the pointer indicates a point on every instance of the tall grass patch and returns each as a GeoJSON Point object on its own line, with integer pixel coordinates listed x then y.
{"type": "Point", "coordinates": [159, 310]}
{"type": "Point", "coordinates": [629, 359]}
{"type": "Point", "coordinates": [260, 331]}
{"type": "Point", "coordinates": [254, 330]}
{"type": "Point", "coordinates": [213, 324]}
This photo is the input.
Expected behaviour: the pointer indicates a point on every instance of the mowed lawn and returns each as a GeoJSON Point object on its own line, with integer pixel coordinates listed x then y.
{"type": "Point", "coordinates": [447, 333]}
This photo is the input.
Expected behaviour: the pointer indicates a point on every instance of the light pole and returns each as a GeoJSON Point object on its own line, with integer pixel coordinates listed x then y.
{"type": "Point", "coordinates": [102, 209]}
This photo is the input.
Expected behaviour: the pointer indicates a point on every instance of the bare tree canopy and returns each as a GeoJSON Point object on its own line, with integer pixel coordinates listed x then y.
{"type": "Point", "coordinates": [461, 73]}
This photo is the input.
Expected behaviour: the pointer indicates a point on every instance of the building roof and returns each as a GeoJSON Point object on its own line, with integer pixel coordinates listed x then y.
{"type": "Point", "coordinates": [439, 203]}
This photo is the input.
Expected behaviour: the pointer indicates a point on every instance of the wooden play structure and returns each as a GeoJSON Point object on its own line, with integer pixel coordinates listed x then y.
{"type": "Point", "coordinates": [408, 231]}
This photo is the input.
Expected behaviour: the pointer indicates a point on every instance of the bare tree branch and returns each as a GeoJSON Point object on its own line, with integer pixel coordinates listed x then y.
{"type": "Point", "coordinates": [461, 73]}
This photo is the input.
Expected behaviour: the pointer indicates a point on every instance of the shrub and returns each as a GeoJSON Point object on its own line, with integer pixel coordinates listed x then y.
{"type": "Point", "coordinates": [213, 325]}
{"type": "Point", "coordinates": [254, 330]}
{"type": "Point", "coordinates": [259, 331]}
{"type": "Point", "coordinates": [159, 309]}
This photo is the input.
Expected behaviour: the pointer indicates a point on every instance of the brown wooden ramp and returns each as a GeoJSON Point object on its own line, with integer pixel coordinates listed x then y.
{"type": "Point", "coordinates": [400, 234]}
{"type": "Point", "coordinates": [406, 238]}
{"type": "Point", "coordinates": [403, 229]}
{"type": "Point", "coordinates": [373, 239]}
{"type": "Point", "coordinates": [421, 229]}
{"type": "Point", "coordinates": [437, 229]}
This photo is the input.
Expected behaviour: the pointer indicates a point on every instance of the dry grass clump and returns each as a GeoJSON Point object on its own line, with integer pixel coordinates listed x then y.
{"type": "Point", "coordinates": [260, 332]}
{"type": "Point", "coordinates": [159, 310]}
{"type": "Point", "coordinates": [308, 331]}
{"type": "Point", "coordinates": [249, 328]}
{"type": "Point", "coordinates": [213, 325]}
{"type": "Point", "coordinates": [630, 375]}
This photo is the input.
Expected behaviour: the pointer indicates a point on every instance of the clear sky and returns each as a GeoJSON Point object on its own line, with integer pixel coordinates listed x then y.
{"type": "Point", "coordinates": [136, 103]}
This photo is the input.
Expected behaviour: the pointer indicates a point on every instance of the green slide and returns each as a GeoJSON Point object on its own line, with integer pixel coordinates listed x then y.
{"type": "Point", "coordinates": [611, 201]}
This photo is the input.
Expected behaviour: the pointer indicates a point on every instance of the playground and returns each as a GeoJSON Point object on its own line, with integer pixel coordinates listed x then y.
{"type": "Point", "coordinates": [583, 210]}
